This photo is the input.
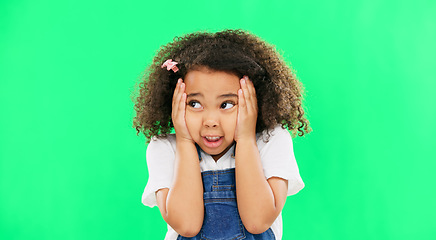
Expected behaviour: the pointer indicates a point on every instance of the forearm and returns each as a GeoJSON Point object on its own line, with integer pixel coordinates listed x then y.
{"type": "Point", "coordinates": [256, 202]}
{"type": "Point", "coordinates": [184, 203]}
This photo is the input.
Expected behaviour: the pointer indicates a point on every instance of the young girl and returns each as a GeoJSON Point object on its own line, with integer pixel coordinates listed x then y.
{"type": "Point", "coordinates": [227, 170]}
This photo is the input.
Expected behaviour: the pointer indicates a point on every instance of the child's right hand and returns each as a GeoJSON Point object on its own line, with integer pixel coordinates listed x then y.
{"type": "Point", "coordinates": [178, 112]}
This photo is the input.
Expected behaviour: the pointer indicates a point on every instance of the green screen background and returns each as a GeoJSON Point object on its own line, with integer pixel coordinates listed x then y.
{"type": "Point", "coordinates": [72, 167]}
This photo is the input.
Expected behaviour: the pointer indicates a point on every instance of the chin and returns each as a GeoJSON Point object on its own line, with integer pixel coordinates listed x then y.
{"type": "Point", "coordinates": [211, 152]}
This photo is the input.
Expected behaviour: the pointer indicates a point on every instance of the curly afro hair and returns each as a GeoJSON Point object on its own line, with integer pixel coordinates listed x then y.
{"type": "Point", "coordinates": [279, 93]}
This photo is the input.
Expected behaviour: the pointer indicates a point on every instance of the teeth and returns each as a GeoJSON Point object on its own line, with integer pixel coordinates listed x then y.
{"type": "Point", "coordinates": [212, 138]}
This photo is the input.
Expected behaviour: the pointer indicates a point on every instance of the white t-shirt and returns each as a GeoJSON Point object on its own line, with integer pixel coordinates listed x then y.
{"type": "Point", "coordinates": [277, 157]}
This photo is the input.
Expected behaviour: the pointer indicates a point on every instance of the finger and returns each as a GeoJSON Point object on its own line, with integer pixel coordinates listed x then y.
{"type": "Point", "coordinates": [176, 91]}
{"type": "Point", "coordinates": [176, 101]}
{"type": "Point", "coordinates": [242, 105]}
{"type": "Point", "coordinates": [182, 105]}
{"type": "Point", "coordinates": [252, 94]}
{"type": "Point", "coordinates": [182, 100]}
{"type": "Point", "coordinates": [252, 90]}
{"type": "Point", "coordinates": [249, 85]}
{"type": "Point", "coordinates": [246, 93]}
{"type": "Point", "coordinates": [244, 88]}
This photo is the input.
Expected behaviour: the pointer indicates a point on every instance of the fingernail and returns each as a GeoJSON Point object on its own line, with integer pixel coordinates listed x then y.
{"type": "Point", "coordinates": [246, 77]}
{"type": "Point", "coordinates": [243, 81]}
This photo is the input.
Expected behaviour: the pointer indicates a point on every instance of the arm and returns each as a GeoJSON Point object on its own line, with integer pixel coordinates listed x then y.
{"type": "Point", "coordinates": [260, 201]}
{"type": "Point", "coordinates": [181, 206]}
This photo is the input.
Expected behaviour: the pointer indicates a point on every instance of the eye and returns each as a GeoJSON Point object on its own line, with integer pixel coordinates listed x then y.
{"type": "Point", "coordinates": [194, 104]}
{"type": "Point", "coordinates": [227, 105]}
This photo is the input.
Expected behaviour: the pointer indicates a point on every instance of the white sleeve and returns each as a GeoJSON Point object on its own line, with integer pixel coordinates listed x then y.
{"type": "Point", "coordinates": [278, 160]}
{"type": "Point", "coordinates": [160, 162]}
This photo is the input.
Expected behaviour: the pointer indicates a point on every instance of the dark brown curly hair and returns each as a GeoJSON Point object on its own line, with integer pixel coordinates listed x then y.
{"type": "Point", "coordinates": [279, 93]}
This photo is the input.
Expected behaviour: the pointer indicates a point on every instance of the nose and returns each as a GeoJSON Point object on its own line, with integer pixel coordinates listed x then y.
{"type": "Point", "coordinates": [211, 119]}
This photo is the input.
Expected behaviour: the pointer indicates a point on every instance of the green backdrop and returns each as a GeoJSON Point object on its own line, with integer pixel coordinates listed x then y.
{"type": "Point", "coordinates": [72, 167]}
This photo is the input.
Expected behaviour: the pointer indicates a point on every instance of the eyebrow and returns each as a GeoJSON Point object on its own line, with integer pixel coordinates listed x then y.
{"type": "Point", "coordinates": [228, 95]}
{"type": "Point", "coordinates": [194, 95]}
{"type": "Point", "coordinates": [220, 96]}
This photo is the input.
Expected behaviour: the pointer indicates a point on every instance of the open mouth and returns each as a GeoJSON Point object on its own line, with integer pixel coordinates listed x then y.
{"type": "Point", "coordinates": [212, 141]}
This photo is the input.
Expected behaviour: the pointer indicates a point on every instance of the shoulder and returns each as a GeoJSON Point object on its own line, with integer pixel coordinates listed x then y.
{"type": "Point", "coordinates": [160, 163]}
{"type": "Point", "coordinates": [162, 144]}
{"type": "Point", "coordinates": [277, 138]}
{"type": "Point", "coordinates": [161, 151]}
{"type": "Point", "coordinates": [276, 152]}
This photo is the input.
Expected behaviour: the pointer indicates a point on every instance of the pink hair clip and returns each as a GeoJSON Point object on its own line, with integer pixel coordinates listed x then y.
{"type": "Point", "coordinates": [170, 65]}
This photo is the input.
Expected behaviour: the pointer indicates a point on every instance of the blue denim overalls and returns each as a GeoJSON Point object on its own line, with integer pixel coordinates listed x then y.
{"type": "Point", "coordinates": [221, 216]}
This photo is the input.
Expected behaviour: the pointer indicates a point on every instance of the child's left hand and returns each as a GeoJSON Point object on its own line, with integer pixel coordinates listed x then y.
{"type": "Point", "coordinates": [247, 111]}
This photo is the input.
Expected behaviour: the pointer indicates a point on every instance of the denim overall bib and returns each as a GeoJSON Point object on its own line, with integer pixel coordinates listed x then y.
{"type": "Point", "coordinates": [221, 216]}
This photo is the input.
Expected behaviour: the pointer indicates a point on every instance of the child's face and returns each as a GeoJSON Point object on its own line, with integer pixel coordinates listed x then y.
{"type": "Point", "coordinates": [212, 110]}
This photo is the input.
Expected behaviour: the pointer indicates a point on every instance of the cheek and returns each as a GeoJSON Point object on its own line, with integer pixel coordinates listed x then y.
{"type": "Point", "coordinates": [230, 122]}
{"type": "Point", "coordinates": [192, 122]}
